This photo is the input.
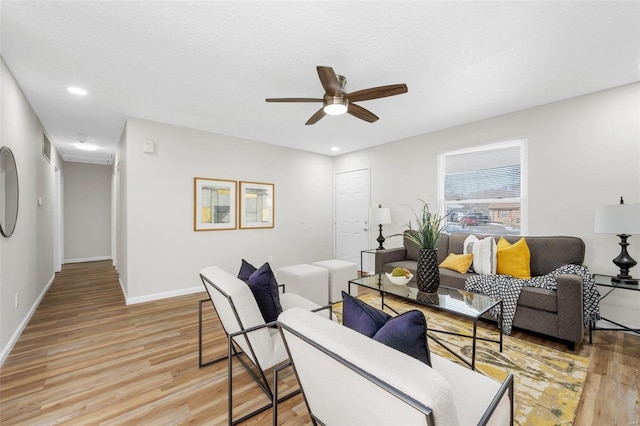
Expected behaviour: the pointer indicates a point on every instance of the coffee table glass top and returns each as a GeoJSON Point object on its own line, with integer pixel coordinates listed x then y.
{"type": "Point", "coordinates": [449, 299]}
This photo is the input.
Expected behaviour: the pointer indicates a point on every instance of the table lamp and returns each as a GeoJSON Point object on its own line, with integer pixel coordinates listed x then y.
{"type": "Point", "coordinates": [623, 220]}
{"type": "Point", "coordinates": [381, 216]}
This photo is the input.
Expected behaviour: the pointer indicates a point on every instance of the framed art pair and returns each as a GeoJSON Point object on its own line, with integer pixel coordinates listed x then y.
{"type": "Point", "coordinates": [218, 201]}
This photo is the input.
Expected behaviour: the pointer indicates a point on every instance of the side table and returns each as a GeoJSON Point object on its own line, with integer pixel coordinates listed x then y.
{"type": "Point", "coordinates": [362, 252]}
{"type": "Point", "coordinates": [605, 281]}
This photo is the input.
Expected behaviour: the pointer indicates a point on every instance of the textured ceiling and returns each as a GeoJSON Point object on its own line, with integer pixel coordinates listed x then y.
{"type": "Point", "coordinates": [210, 65]}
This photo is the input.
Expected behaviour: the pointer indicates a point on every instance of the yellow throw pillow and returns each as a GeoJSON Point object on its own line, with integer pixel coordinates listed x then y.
{"type": "Point", "coordinates": [458, 262]}
{"type": "Point", "coordinates": [514, 259]}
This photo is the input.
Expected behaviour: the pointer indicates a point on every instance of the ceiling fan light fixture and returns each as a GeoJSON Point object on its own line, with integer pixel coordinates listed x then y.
{"type": "Point", "coordinates": [335, 106]}
{"type": "Point", "coordinates": [336, 101]}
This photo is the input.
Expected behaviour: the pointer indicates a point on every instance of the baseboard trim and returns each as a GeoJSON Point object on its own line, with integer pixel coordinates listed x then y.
{"type": "Point", "coordinates": [16, 335]}
{"type": "Point", "coordinates": [122, 288]}
{"type": "Point", "coordinates": [165, 295]}
{"type": "Point", "coordinates": [87, 259]}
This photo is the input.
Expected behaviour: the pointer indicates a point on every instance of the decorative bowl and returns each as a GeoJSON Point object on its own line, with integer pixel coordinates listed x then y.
{"type": "Point", "coordinates": [399, 280]}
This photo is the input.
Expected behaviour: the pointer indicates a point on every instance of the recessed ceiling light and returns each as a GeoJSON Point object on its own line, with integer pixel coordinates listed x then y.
{"type": "Point", "coordinates": [335, 149]}
{"type": "Point", "coordinates": [86, 146]}
{"type": "Point", "coordinates": [77, 91]}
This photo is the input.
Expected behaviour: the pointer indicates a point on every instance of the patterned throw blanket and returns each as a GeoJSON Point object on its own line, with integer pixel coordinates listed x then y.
{"type": "Point", "coordinates": [508, 289]}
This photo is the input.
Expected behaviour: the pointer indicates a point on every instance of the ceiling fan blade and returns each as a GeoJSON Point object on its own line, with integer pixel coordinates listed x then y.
{"type": "Point", "coordinates": [316, 117]}
{"type": "Point", "coordinates": [329, 81]}
{"type": "Point", "coordinates": [377, 92]}
{"type": "Point", "coordinates": [293, 100]}
{"type": "Point", "coordinates": [361, 113]}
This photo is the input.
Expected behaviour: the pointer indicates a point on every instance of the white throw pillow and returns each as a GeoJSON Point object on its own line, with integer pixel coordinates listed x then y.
{"type": "Point", "coordinates": [484, 254]}
{"type": "Point", "coordinates": [467, 248]}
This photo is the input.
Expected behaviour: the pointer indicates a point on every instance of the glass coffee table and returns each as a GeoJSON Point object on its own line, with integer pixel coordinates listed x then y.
{"type": "Point", "coordinates": [459, 302]}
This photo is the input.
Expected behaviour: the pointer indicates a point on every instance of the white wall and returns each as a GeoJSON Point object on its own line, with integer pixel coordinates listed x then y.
{"type": "Point", "coordinates": [26, 258]}
{"type": "Point", "coordinates": [164, 254]}
{"type": "Point", "coordinates": [582, 152]}
{"type": "Point", "coordinates": [87, 207]}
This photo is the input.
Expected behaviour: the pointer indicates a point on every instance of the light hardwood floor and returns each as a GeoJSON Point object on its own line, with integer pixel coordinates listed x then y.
{"type": "Point", "coordinates": [87, 358]}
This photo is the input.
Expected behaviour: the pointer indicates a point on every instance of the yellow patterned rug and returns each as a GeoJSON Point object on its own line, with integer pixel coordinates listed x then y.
{"type": "Point", "coordinates": [548, 383]}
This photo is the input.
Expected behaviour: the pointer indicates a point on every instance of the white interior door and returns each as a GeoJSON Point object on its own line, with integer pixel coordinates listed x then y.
{"type": "Point", "coordinates": [352, 216]}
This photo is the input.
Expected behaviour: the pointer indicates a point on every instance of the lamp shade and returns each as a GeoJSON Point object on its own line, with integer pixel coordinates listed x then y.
{"type": "Point", "coordinates": [618, 219]}
{"type": "Point", "coordinates": [381, 216]}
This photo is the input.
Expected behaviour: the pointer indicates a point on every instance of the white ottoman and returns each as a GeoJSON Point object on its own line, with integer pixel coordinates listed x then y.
{"type": "Point", "coordinates": [340, 272]}
{"type": "Point", "coordinates": [308, 281]}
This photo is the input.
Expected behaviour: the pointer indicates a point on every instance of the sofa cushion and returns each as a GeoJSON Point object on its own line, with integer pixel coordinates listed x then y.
{"type": "Point", "coordinates": [514, 259]}
{"type": "Point", "coordinates": [406, 332]}
{"type": "Point", "coordinates": [413, 251]}
{"type": "Point", "coordinates": [539, 298]}
{"type": "Point", "coordinates": [449, 278]}
{"type": "Point", "coordinates": [550, 253]}
{"type": "Point", "coordinates": [458, 262]}
{"type": "Point", "coordinates": [264, 287]}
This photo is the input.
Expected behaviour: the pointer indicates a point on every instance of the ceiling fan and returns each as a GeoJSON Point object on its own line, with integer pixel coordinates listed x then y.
{"type": "Point", "coordinates": [337, 101]}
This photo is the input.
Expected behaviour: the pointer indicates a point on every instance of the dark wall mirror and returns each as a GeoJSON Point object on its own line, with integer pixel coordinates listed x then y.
{"type": "Point", "coordinates": [8, 192]}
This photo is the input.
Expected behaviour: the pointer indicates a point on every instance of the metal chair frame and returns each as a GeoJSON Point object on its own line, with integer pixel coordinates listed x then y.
{"type": "Point", "coordinates": [236, 352]}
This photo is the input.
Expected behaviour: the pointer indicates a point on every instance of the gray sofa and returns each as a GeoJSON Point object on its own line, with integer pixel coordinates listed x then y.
{"type": "Point", "coordinates": [555, 313]}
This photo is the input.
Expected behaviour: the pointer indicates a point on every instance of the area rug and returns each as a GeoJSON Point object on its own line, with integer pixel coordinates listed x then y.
{"type": "Point", "coordinates": [548, 383]}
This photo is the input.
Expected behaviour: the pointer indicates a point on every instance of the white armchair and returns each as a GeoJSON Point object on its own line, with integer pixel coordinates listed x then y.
{"type": "Point", "coordinates": [350, 379]}
{"type": "Point", "coordinates": [247, 332]}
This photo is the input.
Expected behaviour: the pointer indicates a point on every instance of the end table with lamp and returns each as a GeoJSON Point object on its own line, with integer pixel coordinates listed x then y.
{"type": "Point", "coordinates": [381, 216]}
{"type": "Point", "coordinates": [622, 220]}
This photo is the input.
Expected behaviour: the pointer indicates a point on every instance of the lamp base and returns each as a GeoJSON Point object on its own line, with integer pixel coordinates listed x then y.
{"type": "Point", "coordinates": [380, 239]}
{"type": "Point", "coordinates": [624, 262]}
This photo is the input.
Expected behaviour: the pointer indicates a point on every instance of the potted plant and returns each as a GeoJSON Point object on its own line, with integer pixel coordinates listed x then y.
{"type": "Point", "coordinates": [429, 228]}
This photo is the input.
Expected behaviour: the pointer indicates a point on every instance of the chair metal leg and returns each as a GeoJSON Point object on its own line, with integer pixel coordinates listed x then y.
{"type": "Point", "coordinates": [261, 381]}
{"type": "Point", "coordinates": [230, 380]}
{"type": "Point", "coordinates": [275, 400]}
{"type": "Point", "coordinates": [200, 363]}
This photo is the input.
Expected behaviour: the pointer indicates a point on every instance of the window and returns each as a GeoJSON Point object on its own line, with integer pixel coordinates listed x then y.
{"type": "Point", "coordinates": [483, 189]}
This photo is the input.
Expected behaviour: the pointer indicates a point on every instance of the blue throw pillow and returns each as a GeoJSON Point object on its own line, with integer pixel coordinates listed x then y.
{"type": "Point", "coordinates": [361, 317]}
{"type": "Point", "coordinates": [246, 269]}
{"type": "Point", "coordinates": [264, 287]}
{"type": "Point", "coordinates": [406, 332]}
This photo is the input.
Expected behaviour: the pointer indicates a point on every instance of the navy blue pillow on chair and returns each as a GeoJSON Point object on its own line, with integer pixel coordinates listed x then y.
{"type": "Point", "coordinates": [406, 332]}
{"type": "Point", "coordinates": [264, 287]}
{"type": "Point", "coordinates": [246, 269]}
{"type": "Point", "coordinates": [361, 317]}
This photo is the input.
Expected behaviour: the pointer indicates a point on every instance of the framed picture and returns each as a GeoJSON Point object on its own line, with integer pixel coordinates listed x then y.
{"type": "Point", "coordinates": [214, 204]}
{"type": "Point", "coordinates": [256, 205]}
